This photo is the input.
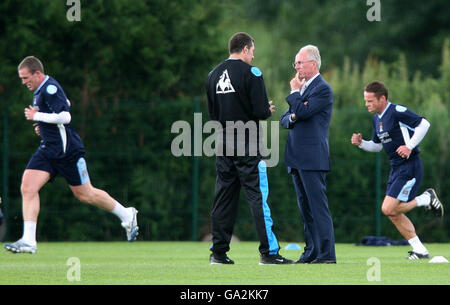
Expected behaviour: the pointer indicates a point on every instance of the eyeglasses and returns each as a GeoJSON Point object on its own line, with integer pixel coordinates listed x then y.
{"type": "Point", "coordinates": [300, 63]}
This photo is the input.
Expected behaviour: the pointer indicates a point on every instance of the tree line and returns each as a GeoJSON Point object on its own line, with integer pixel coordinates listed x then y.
{"type": "Point", "coordinates": [131, 70]}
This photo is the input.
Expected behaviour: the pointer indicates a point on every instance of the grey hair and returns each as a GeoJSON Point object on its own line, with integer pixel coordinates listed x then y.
{"type": "Point", "coordinates": [313, 54]}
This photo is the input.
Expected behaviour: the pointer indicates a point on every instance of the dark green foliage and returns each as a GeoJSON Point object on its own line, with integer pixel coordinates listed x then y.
{"type": "Point", "coordinates": [133, 68]}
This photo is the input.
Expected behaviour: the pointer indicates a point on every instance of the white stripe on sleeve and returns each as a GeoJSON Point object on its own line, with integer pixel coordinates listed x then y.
{"type": "Point", "coordinates": [371, 146]}
{"type": "Point", "coordinates": [53, 118]}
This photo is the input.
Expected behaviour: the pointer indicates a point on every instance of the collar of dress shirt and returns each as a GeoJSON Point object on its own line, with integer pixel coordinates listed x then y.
{"type": "Point", "coordinates": [310, 80]}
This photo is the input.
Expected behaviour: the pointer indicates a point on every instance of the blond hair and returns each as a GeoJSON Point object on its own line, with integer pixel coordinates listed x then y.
{"type": "Point", "coordinates": [32, 63]}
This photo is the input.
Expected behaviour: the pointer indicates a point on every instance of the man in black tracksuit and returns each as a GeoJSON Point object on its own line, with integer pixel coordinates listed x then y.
{"type": "Point", "coordinates": [237, 99]}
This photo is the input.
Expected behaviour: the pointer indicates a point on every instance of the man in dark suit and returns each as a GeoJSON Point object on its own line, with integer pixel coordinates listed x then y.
{"type": "Point", "coordinates": [307, 153]}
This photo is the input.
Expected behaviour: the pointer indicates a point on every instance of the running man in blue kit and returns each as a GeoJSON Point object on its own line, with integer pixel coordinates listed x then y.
{"type": "Point", "coordinates": [399, 131]}
{"type": "Point", "coordinates": [61, 152]}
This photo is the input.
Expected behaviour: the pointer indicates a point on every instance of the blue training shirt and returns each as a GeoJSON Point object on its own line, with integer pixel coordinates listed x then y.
{"type": "Point", "coordinates": [58, 140]}
{"type": "Point", "coordinates": [393, 128]}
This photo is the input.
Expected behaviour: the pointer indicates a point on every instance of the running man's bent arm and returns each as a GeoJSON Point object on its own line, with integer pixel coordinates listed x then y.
{"type": "Point", "coordinates": [370, 146]}
{"type": "Point", "coordinates": [63, 117]}
{"type": "Point", "coordinates": [419, 133]}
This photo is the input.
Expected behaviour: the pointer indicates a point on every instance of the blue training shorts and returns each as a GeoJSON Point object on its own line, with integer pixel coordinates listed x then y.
{"type": "Point", "coordinates": [72, 168]}
{"type": "Point", "coordinates": [405, 179]}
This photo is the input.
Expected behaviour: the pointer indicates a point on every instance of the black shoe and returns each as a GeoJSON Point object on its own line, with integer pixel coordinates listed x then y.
{"type": "Point", "coordinates": [415, 255]}
{"type": "Point", "coordinates": [276, 259]}
{"type": "Point", "coordinates": [323, 261]}
{"type": "Point", "coordinates": [220, 259]}
{"type": "Point", "coordinates": [435, 205]}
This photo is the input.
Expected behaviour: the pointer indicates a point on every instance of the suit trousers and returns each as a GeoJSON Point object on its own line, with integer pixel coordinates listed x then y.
{"type": "Point", "coordinates": [313, 205]}
{"type": "Point", "coordinates": [250, 173]}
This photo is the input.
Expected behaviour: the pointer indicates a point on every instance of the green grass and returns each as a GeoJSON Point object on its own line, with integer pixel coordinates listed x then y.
{"type": "Point", "coordinates": [168, 263]}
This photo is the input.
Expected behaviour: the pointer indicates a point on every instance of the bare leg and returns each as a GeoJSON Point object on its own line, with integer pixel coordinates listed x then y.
{"type": "Point", "coordinates": [99, 198]}
{"type": "Point", "coordinates": [89, 194]}
{"type": "Point", "coordinates": [32, 182]}
{"type": "Point", "coordinates": [404, 226]}
{"type": "Point", "coordinates": [395, 209]}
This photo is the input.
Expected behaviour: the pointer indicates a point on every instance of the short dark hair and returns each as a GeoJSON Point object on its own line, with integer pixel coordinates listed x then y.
{"type": "Point", "coordinates": [238, 42]}
{"type": "Point", "coordinates": [378, 88]}
{"type": "Point", "coordinates": [32, 63]}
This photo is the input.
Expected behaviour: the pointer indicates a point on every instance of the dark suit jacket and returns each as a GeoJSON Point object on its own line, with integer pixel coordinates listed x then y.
{"type": "Point", "coordinates": [307, 143]}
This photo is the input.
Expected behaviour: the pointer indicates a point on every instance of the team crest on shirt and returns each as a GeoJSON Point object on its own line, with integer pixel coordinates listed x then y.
{"type": "Point", "coordinates": [51, 89]}
{"type": "Point", "coordinates": [224, 85]}
{"type": "Point", "coordinates": [256, 71]}
{"type": "Point", "coordinates": [400, 108]}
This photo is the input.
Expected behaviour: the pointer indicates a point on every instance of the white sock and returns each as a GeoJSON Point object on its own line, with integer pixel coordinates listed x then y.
{"type": "Point", "coordinates": [417, 245]}
{"type": "Point", "coordinates": [122, 212]}
{"type": "Point", "coordinates": [423, 200]}
{"type": "Point", "coordinates": [29, 232]}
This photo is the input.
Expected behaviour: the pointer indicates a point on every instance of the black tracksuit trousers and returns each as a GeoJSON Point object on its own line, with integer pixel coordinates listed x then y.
{"type": "Point", "coordinates": [232, 173]}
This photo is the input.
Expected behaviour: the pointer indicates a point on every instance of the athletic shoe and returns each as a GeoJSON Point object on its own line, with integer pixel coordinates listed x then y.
{"type": "Point", "coordinates": [276, 259]}
{"type": "Point", "coordinates": [435, 205]}
{"type": "Point", "coordinates": [415, 255]}
{"type": "Point", "coordinates": [220, 260]}
{"type": "Point", "coordinates": [20, 247]}
{"type": "Point", "coordinates": [131, 227]}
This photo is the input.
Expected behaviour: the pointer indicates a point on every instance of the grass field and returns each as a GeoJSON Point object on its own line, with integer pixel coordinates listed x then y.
{"type": "Point", "coordinates": [187, 263]}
